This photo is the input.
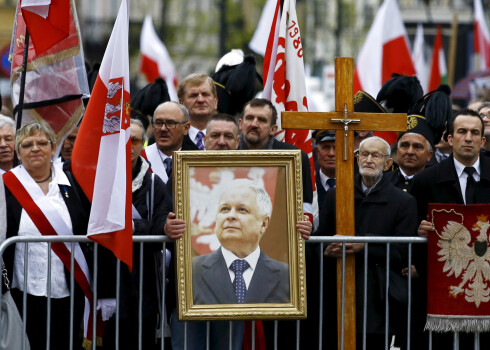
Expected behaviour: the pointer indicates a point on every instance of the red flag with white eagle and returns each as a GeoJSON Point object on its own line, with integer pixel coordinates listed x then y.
{"type": "Point", "coordinates": [101, 158]}
{"type": "Point", "coordinates": [481, 36]}
{"type": "Point", "coordinates": [285, 83]}
{"type": "Point", "coordinates": [385, 51]}
{"type": "Point", "coordinates": [155, 59]}
{"type": "Point", "coordinates": [56, 80]}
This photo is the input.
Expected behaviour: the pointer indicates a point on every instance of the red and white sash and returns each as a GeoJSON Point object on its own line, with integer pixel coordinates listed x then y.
{"type": "Point", "coordinates": [49, 222]}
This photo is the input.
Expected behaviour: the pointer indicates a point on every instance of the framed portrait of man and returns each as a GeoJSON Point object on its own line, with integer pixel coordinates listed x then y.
{"type": "Point", "coordinates": [241, 256]}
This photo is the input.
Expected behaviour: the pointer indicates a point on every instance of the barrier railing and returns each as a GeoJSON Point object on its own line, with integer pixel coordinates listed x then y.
{"type": "Point", "coordinates": [321, 242]}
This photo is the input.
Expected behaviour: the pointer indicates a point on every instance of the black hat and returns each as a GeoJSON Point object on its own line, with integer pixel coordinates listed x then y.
{"type": "Point", "coordinates": [429, 116]}
{"type": "Point", "coordinates": [400, 93]}
{"type": "Point", "coordinates": [235, 85]}
{"type": "Point", "coordinates": [145, 101]}
{"type": "Point", "coordinates": [324, 135]}
{"type": "Point", "coordinates": [363, 102]}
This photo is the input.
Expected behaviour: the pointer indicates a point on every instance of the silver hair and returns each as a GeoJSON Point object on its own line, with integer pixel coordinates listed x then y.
{"type": "Point", "coordinates": [377, 138]}
{"type": "Point", "coordinates": [140, 124]}
{"type": "Point", "coordinates": [264, 203]}
{"type": "Point", "coordinates": [427, 143]}
{"type": "Point", "coordinates": [4, 120]}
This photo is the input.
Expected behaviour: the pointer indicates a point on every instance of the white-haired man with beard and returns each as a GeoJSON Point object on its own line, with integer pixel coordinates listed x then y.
{"type": "Point", "coordinates": [381, 209]}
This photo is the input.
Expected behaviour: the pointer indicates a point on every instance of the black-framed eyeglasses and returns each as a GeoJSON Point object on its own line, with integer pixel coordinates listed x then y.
{"type": "Point", "coordinates": [169, 124]}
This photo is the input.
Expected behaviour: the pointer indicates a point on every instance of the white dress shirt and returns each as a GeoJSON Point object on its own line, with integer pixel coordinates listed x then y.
{"type": "Point", "coordinates": [463, 176]}
{"type": "Point", "coordinates": [252, 260]}
{"type": "Point", "coordinates": [37, 271]}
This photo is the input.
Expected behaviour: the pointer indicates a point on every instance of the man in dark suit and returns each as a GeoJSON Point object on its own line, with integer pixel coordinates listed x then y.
{"type": "Point", "coordinates": [244, 212]}
{"type": "Point", "coordinates": [381, 209]}
{"type": "Point", "coordinates": [197, 93]}
{"type": "Point", "coordinates": [463, 178]}
{"type": "Point", "coordinates": [258, 126]}
{"type": "Point", "coordinates": [170, 126]}
{"type": "Point", "coordinates": [325, 152]}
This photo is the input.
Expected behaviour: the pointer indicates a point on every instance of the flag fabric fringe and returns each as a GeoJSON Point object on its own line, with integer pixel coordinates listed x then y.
{"type": "Point", "coordinates": [468, 324]}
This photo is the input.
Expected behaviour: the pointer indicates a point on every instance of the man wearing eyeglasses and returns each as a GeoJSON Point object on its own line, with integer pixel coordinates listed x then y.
{"type": "Point", "coordinates": [149, 196]}
{"type": "Point", "coordinates": [170, 125]}
{"type": "Point", "coordinates": [381, 209]}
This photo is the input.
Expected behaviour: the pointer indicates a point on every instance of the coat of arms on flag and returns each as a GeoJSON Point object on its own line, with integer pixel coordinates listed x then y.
{"type": "Point", "coordinates": [458, 290]}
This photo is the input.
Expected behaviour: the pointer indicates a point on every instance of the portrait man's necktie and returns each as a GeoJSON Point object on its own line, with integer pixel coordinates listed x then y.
{"type": "Point", "coordinates": [199, 143]}
{"type": "Point", "coordinates": [238, 266]}
{"type": "Point", "coordinates": [331, 183]}
{"type": "Point", "coordinates": [470, 185]}
{"type": "Point", "coordinates": [168, 166]}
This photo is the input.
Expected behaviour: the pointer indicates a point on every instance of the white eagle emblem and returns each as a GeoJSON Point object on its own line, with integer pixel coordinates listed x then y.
{"type": "Point", "coordinates": [469, 260]}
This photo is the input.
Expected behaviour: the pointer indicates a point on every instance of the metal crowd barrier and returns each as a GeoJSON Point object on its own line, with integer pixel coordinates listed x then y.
{"type": "Point", "coordinates": [142, 240]}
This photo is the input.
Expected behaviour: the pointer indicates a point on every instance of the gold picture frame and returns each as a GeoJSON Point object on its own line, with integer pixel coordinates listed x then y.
{"type": "Point", "coordinates": [199, 186]}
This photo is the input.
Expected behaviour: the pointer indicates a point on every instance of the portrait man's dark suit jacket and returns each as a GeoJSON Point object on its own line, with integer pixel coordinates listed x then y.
{"type": "Point", "coordinates": [211, 283]}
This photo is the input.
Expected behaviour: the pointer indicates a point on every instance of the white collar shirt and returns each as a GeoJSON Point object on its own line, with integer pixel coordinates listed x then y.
{"type": "Point", "coordinates": [37, 270]}
{"type": "Point", "coordinates": [252, 260]}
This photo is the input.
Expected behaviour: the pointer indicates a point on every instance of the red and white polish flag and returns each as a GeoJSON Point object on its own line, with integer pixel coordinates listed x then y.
{"type": "Point", "coordinates": [385, 51]}
{"type": "Point", "coordinates": [481, 36]}
{"type": "Point", "coordinates": [438, 68]}
{"type": "Point", "coordinates": [101, 158]}
{"type": "Point", "coordinates": [155, 59]}
{"type": "Point", "coordinates": [285, 83]}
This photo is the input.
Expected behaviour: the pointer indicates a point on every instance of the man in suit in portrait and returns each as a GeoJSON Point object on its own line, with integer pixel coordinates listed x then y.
{"type": "Point", "coordinates": [243, 215]}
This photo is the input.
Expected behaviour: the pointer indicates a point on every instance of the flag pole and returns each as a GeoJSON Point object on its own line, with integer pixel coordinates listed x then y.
{"type": "Point", "coordinates": [452, 51]}
{"type": "Point", "coordinates": [20, 105]}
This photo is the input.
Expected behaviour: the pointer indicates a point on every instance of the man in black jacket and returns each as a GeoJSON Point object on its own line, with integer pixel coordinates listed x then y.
{"type": "Point", "coordinates": [381, 209]}
{"type": "Point", "coordinates": [149, 197]}
{"type": "Point", "coordinates": [447, 182]}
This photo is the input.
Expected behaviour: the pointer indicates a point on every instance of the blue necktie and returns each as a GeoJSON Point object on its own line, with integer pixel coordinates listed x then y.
{"type": "Point", "coordinates": [238, 266]}
{"type": "Point", "coordinates": [168, 166]}
{"type": "Point", "coordinates": [199, 143]}
{"type": "Point", "coordinates": [331, 183]}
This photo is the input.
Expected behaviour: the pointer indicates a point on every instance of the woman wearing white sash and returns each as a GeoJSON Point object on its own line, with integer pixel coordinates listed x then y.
{"type": "Point", "coordinates": [57, 199]}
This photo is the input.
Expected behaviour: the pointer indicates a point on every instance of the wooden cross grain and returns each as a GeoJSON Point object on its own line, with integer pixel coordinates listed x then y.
{"type": "Point", "coordinates": [345, 121]}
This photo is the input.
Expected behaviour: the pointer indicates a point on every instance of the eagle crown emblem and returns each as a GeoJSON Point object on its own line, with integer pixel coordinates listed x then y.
{"type": "Point", "coordinates": [469, 262]}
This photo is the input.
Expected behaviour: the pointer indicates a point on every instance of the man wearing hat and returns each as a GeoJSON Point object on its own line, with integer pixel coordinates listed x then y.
{"type": "Point", "coordinates": [413, 152]}
{"type": "Point", "coordinates": [426, 122]}
{"type": "Point", "coordinates": [325, 152]}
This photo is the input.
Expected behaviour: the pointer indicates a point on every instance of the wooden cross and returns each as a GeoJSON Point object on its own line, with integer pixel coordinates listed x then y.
{"type": "Point", "coordinates": [345, 121]}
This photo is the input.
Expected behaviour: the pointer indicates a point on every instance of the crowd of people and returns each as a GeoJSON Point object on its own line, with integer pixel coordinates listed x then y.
{"type": "Point", "coordinates": [442, 158]}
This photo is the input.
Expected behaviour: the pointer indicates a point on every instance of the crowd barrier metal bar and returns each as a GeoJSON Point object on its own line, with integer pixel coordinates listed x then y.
{"type": "Point", "coordinates": [409, 241]}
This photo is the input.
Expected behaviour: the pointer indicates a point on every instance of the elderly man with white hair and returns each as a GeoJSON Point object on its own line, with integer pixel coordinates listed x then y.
{"type": "Point", "coordinates": [380, 209]}
{"type": "Point", "coordinates": [7, 143]}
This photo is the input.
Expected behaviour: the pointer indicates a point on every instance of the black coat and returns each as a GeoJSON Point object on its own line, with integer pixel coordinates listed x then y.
{"type": "Point", "coordinates": [440, 184]}
{"type": "Point", "coordinates": [144, 226]}
{"type": "Point", "coordinates": [320, 189]}
{"type": "Point", "coordinates": [398, 180]}
{"type": "Point", "coordinates": [386, 211]}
